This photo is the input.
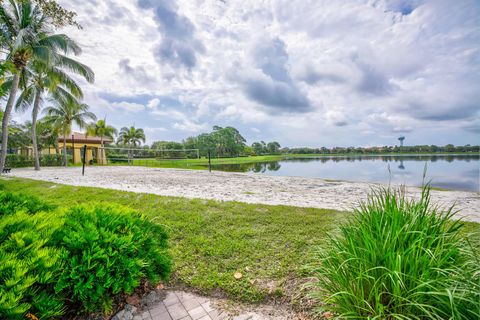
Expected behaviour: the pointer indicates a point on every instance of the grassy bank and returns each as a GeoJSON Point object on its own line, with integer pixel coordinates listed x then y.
{"type": "Point", "coordinates": [210, 240]}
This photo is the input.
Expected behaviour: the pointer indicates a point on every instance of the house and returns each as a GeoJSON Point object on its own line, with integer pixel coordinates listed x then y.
{"type": "Point", "coordinates": [75, 143]}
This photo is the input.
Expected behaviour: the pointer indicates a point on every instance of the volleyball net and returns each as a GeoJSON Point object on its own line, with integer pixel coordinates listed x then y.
{"type": "Point", "coordinates": [141, 156]}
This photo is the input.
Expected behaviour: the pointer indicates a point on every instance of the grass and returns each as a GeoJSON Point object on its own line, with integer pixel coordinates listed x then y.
{"type": "Point", "coordinates": [400, 259]}
{"type": "Point", "coordinates": [211, 240]}
{"type": "Point", "coordinates": [201, 164]}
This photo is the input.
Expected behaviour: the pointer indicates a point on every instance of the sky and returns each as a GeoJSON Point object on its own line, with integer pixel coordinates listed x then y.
{"type": "Point", "coordinates": [304, 73]}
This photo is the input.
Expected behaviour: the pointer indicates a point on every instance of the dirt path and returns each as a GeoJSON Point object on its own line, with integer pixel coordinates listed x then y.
{"type": "Point", "coordinates": [243, 187]}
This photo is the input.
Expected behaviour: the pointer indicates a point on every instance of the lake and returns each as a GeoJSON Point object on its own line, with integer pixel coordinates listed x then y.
{"type": "Point", "coordinates": [455, 172]}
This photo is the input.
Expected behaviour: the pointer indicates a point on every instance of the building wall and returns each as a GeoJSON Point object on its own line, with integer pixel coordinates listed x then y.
{"type": "Point", "coordinates": [77, 155]}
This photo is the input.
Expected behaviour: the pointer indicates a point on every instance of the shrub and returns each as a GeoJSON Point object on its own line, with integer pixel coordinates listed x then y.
{"type": "Point", "coordinates": [107, 251]}
{"type": "Point", "coordinates": [28, 268]}
{"type": "Point", "coordinates": [18, 161]}
{"type": "Point", "coordinates": [117, 157]}
{"type": "Point", "coordinates": [22, 161]}
{"type": "Point", "coordinates": [11, 203]}
{"type": "Point", "coordinates": [51, 160]}
{"type": "Point", "coordinates": [400, 259]}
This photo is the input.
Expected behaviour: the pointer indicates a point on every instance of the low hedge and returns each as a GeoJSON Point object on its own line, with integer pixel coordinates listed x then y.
{"type": "Point", "coordinates": [22, 161]}
{"type": "Point", "coordinates": [78, 259]}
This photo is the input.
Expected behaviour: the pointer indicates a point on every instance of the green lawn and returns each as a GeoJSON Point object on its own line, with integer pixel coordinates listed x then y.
{"type": "Point", "coordinates": [203, 162]}
{"type": "Point", "coordinates": [210, 240]}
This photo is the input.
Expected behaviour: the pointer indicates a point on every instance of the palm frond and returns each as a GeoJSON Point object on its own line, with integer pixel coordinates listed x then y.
{"type": "Point", "coordinates": [25, 99]}
{"type": "Point", "coordinates": [75, 67]}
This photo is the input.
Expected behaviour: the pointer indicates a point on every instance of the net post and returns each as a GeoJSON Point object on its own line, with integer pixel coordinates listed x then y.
{"type": "Point", "coordinates": [209, 162]}
{"type": "Point", "coordinates": [84, 159]}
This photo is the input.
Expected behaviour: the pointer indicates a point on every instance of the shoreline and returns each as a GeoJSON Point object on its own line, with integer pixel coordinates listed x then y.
{"type": "Point", "coordinates": [241, 187]}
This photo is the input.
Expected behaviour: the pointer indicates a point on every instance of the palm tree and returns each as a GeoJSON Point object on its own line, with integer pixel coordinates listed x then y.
{"type": "Point", "coordinates": [24, 36]}
{"type": "Point", "coordinates": [101, 129]}
{"type": "Point", "coordinates": [65, 112]}
{"type": "Point", "coordinates": [131, 137]}
{"type": "Point", "coordinates": [40, 78]}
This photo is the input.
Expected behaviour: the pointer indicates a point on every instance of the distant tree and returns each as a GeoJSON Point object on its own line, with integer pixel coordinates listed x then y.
{"type": "Point", "coordinates": [131, 137]}
{"type": "Point", "coordinates": [273, 147]}
{"type": "Point", "coordinates": [258, 148]}
{"type": "Point", "coordinates": [102, 130]}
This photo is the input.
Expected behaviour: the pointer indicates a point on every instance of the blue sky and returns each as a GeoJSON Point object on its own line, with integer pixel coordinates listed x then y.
{"type": "Point", "coordinates": [305, 73]}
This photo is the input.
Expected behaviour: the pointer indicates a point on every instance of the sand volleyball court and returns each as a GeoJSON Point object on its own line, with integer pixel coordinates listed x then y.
{"type": "Point", "coordinates": [243, 187]}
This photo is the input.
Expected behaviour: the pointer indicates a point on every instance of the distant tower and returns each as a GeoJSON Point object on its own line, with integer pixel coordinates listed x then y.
{"type": "Point", "coordinates": [401, 141]}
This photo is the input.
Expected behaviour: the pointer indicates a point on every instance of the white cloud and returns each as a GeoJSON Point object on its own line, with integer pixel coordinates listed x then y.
{"type": "Point", "coordinates": [360, 70]}
{"type": "Point", "coordinates": [153, 104]}
{"type": "Point", "coordinates": [190, 126]}
{"type": "Point", "coordinates": [128, 106]}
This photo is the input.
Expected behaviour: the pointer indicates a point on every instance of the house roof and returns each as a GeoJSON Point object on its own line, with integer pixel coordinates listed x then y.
{"type": "Point", "coordinates": [83, 138]}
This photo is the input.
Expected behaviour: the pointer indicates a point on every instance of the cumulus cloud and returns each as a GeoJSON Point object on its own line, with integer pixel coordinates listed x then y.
{"type": "Point", "coordinates": [305, 72]}
{"type": "Point", "coordinates": [179, 46]}
{"type": "Point", "coordinates": [128, 106]}
{"type": "Point", "coordinates": [154, 103]}
{"type": "Point", "coordinates": [139, 74]}
{"type": "Point", "coordinates": [270, 83]}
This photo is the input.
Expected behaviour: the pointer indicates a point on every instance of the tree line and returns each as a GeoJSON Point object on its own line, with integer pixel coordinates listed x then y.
{"type": "Point", "coordinates": [449, 148]}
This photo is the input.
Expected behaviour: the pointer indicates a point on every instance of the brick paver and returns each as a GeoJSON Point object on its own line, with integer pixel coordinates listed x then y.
{"type": "Point", "coordinates": [182, 306]}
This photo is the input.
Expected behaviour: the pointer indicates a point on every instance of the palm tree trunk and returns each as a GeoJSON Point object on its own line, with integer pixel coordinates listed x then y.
{"type": "Point", "coordinates": [6, 118]}
{"type": "Point", "coordinates": [65, 148]}
{"type": "Point", "coordinates": [36, 106]}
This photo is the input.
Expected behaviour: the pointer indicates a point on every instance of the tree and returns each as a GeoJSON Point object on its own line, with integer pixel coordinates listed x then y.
{"type": "Point", "coordinates": [65, 112]}
{"type": "Point", "coordinates": [47, 136]}
{"type": "Point", "coordinates": [228, 141]}
{"type": "Point", "coordinates": [24, 36]}
{"type": "Point", "coordinates": [131, 137]}
{"type": "Point", "coordinates": [259, 147]}
{"type": "Point", "coordinates": [102, 130]}
{"type": "Point", "coordinates": [40, 77]}
{"type": "Point", "coordinates": [273, 147]}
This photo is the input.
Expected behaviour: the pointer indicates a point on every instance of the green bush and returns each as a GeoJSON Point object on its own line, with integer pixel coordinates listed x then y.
{"type": "Point", "coordinates": [51, 160]}
{"type": "Point", "coordinates": [22, 161]}
{"type": "Point", "coordinates": [107, 251]}
{"type": "Point", "coordinates": [18, 161]}
{"type": "Point", "coordinates": [11, 203]}
{"type": "Point", "coordinates": [400, 259]}
{"type": "Point", "coordinates": [29, 269]}
{"type": "Point", "coordinates": [117, 157]}
{"type": "Point", "coordinates": [81, 257]}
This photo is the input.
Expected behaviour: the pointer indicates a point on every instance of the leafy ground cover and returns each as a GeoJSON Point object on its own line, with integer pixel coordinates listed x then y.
{"type": "Point", "coordinates": [56, 260]}
{"type": "Point", "coordinates": [210, 241]}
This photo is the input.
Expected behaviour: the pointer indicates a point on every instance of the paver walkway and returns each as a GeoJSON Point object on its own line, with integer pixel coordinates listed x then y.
{"type": "Point", "coordinates": [182, 305]}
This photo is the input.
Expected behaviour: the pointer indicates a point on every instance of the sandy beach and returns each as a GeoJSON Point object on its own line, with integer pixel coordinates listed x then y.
{"type": "Point", "coordinates": [243, 187]}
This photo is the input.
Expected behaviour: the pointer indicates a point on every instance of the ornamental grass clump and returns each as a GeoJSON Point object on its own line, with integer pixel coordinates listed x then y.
{"type": "Point", "coordinates": [398, 258]}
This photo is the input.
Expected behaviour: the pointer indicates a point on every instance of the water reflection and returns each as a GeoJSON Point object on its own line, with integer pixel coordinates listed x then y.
{"type": "Point", "coordinates": [257, 167]}
{"type": "Point", "coordinates": [459, 172]}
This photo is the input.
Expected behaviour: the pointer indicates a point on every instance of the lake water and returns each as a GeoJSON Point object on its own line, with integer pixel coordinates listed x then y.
{"type": "Point", "coordinates": [456, 172]}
